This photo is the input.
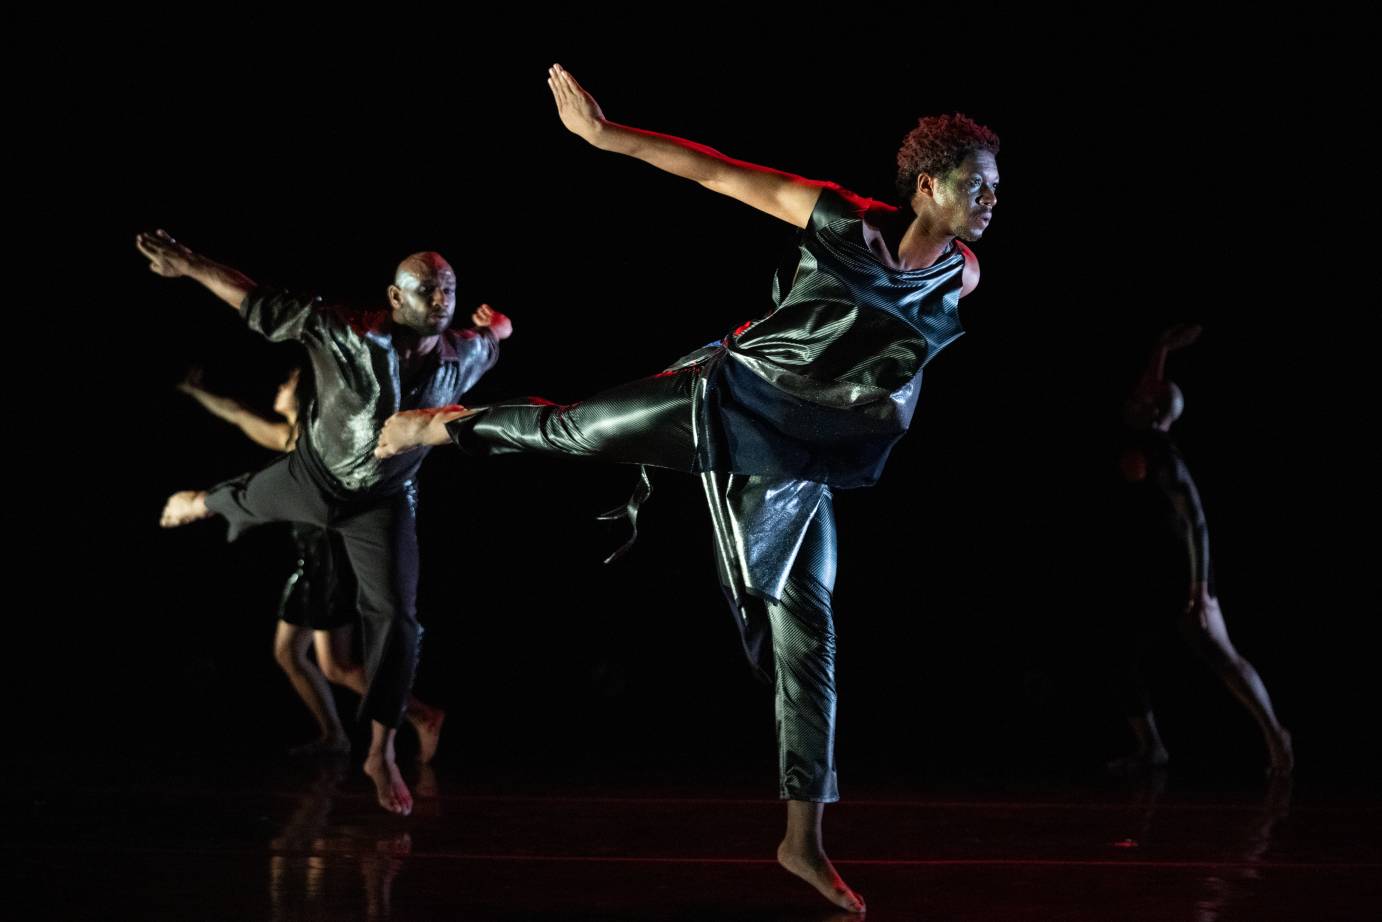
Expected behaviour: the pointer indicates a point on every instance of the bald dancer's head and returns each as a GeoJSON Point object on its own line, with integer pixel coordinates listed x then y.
{"type": "Point", "coordinates": [423, 294]}
{"type": "Point", "coordinates": [1155, 407]}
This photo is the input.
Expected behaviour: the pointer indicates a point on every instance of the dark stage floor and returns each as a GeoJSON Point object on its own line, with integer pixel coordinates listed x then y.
{"type": "Point", "coordinates": [268, 839]}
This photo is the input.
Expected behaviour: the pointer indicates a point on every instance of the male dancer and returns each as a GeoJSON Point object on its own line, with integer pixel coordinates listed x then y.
{"type": "Point", "coordinates": [318, 606]}
{"type": "Point", "coordinates": [366, 366]}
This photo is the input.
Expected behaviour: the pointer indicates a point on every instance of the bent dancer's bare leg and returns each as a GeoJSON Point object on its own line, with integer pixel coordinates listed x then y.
{"type": "Point", "coordinates": [337, 665]}
{"type": "Point", "coordinates": [1135, 628]}
{"type": "Point", "coordinates": [290, 650]}
{"type": "Point", "coordinates": [1211, 640]}
{"type": "Point", "coordinates": [382, 769]}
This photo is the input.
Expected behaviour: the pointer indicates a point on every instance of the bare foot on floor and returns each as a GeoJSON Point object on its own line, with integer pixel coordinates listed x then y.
{"type": "Point", "coordinates": [429, 734]}
{"type": "Point", "coordinates": [815, 868]}
{"type": "Point", "coordinates": [388, 784]}
{"type": "Point", "coordinates": [426, 785]}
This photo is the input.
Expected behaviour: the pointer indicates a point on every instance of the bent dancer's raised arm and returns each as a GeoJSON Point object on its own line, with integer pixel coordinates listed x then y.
{"type": "Point", "coordinates": [1171, 339]}
{"type": "Point", "coordinates": [782, 195]}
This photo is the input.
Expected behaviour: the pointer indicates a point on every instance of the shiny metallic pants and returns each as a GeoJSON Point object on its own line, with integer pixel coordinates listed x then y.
{"type": "Point", "coordinates": [803, 664]}
{"type": "Point", "coordinates": [644, 422]}
{"type": "Point", "coordinates": [651, 422]}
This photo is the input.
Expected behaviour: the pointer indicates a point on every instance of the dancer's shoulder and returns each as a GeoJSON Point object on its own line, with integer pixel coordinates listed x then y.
{"type": "Point", "coordinates": [971, 270]}
{"type": "Point", "coordinates": [837, 204]}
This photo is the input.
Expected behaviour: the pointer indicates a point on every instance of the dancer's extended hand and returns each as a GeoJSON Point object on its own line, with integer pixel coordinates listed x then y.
{"type": "Point", "coordinates": [166, 256]}
{"type": "Point", "coordinates": [499, 324]}
{"type": "Point", "coordinates": [579, 111]}
{"type": "Point", "coordinates": [1180, 335]}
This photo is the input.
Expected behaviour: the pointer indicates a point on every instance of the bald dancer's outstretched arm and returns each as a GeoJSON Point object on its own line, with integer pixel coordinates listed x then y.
{"type": "Point", "coordinates": [171, 259]}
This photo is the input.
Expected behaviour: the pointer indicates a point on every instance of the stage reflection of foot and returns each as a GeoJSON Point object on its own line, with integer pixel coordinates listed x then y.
{"type": "Point", "coordinates": [313, 851]}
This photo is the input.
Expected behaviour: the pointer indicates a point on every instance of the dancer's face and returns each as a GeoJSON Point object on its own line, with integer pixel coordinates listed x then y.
{"type": "Point", "coordinates": [1140, 412]}
{"type": "Point", "coordinates": [963, 200]}
{"type": "Point", "coordinates": [423, 296]}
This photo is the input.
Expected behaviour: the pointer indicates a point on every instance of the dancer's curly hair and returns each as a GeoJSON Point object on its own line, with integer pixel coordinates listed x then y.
{"type": "Point", "coordinates": [937, 145]}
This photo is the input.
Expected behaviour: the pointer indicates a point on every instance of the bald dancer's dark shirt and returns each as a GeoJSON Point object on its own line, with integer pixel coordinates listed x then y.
{"type": "Point", "coordinates": [359, 384]}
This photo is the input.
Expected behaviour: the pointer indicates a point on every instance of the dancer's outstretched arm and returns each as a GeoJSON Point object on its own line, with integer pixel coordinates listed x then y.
{"type": "Point", "coordinates": [171, 259]}
{"type": "Point", "coordinates": [276, 435]}
{"type": "Point", "coordinates": [782, 195]}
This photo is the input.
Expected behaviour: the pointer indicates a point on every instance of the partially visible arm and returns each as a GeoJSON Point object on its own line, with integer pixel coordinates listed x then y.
{"type": "Point", "coordinates": [479, 348]}
{"type": "Point", "coordinates": [1176, 337]}
{"type": "Point", "coordinates": [274, 435]}
{"type": "Point", "coordinates": [1175, 482]}
{"type": "Point", "coordinates": [971, 271]}
{"type": "Point", "coordinates": [499, 324]}
{"type": "Point", "coordinates": [782, 195]}
{"type": "Point", "coordinates": [171, 259]}
{"type": "Point", "coordinates": [1200, 596]}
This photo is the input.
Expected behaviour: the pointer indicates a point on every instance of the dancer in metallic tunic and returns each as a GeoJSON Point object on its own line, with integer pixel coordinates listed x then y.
{"type": "Point", "coordinates": [809, 398]}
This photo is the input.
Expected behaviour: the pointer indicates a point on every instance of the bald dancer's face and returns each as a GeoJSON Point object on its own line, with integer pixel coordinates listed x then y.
{"type": "Point", "coordinates": [423, 295]}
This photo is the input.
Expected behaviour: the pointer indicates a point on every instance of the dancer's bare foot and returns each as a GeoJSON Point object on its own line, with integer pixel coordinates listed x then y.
{"type": "Point", "coordinates": [1282, 754]}
{"type": "Point", "coordinates": [426, 786]}
{"type": "Point", "coordinates": [1149, 754]}
{"type": "Point", "coordinates": [388, 783]}
{"type": "Point", "coordinates": [428, 727]}
{"type": "Point", "coordinates": [326, 746]}
{"type": "Point", "coordinates": [411, 429]}
{"type": "Point", "coordinates": [815, 868]}
{"type": "Point", "coordinates": [183, 507]}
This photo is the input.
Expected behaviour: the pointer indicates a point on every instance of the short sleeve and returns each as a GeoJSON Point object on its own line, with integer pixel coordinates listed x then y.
{"type": "Point", "coordinates": [282, 315]}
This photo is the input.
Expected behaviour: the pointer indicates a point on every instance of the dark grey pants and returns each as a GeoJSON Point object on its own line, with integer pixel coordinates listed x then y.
{"type": "Point", "coordinates": [379, 534]}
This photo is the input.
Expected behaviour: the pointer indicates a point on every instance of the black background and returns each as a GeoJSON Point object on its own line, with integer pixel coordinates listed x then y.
{"type": "Point", "coordinates": [1155, 170]}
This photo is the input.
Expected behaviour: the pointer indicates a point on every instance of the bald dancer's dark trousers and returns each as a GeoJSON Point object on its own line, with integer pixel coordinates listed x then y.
{"type": "Point", "coordinates": [379, 534]}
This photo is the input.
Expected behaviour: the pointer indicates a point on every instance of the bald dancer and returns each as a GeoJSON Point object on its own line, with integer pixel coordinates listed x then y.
{"type": "Point", "coordinates": [1168, 568]}
{"type": "Point", "coordinates": [368, 366]}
